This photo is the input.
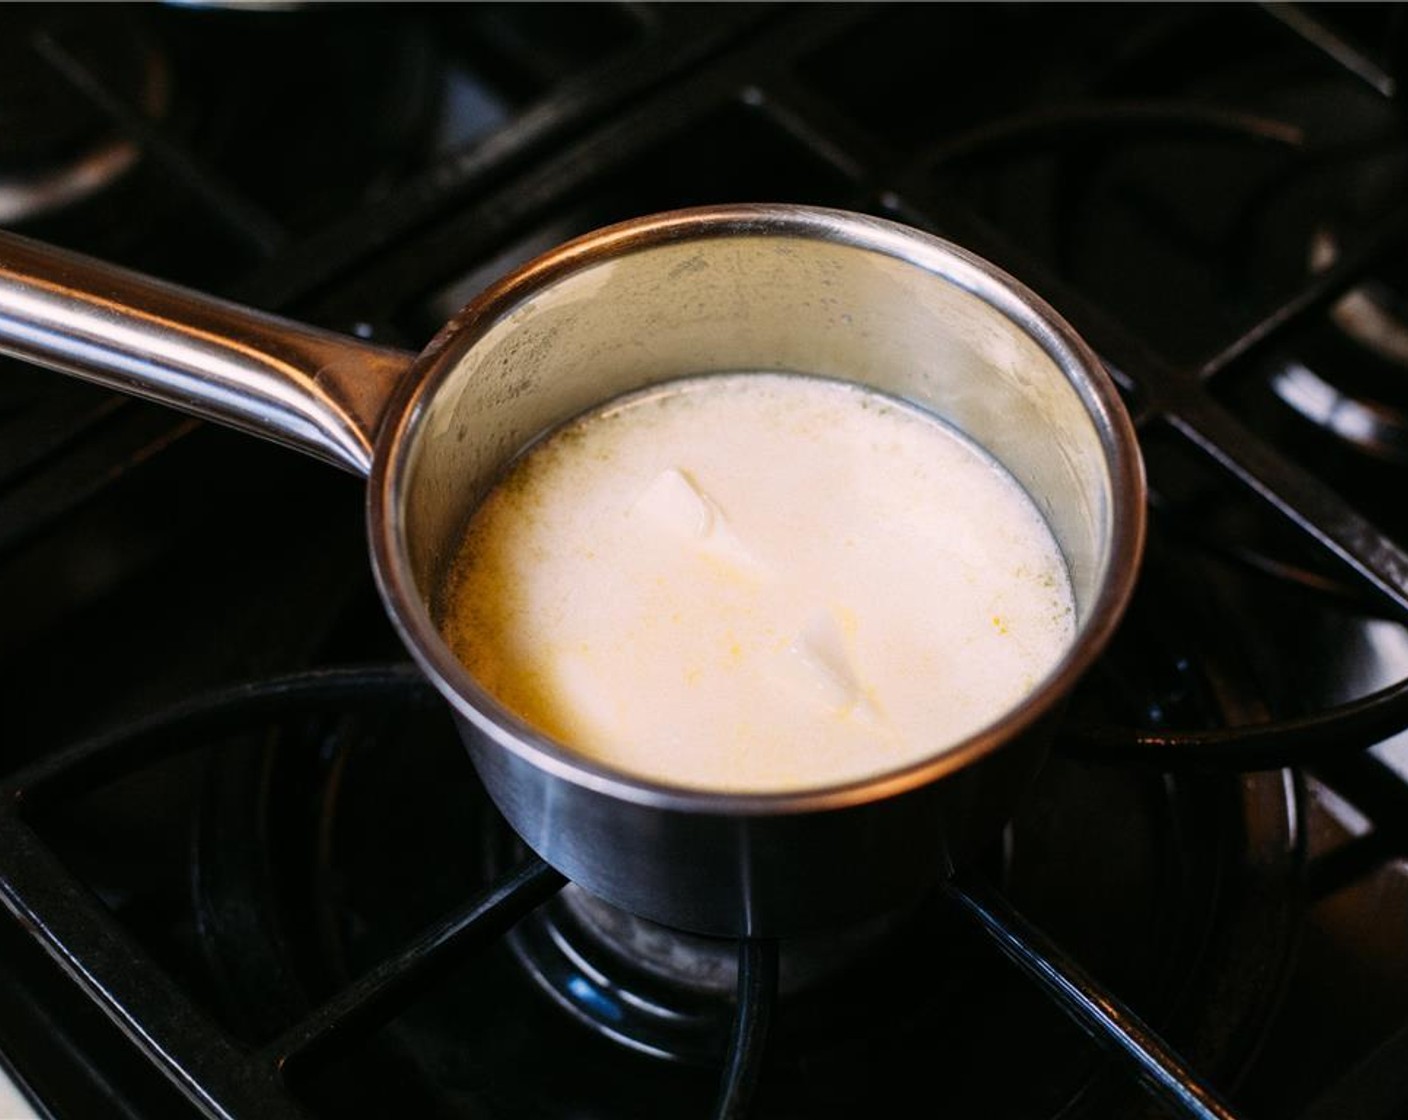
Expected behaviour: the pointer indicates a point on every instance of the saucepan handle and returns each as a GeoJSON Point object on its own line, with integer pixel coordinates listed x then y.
{"type": "Point", "coordinates": [320, 392]}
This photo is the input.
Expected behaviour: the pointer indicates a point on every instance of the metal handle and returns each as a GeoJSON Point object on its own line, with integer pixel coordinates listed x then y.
{"type": "Point", "coordinates": [319, 392]}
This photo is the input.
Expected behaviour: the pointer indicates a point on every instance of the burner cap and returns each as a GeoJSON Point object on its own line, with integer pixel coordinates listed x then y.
{"type": "Point", "coordinates": [56, 145]}
{"type": "Point", "coordinates": [658, 990]}
{"type": "Point", "coordinates": [1374, 315]}
{"type": "Point", "coordinates": [1351, 380]}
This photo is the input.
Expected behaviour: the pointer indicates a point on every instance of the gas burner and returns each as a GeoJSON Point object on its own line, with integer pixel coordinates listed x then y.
{"type": "Point", "coordinates": [57, 147]}
{"type": "Point", "coordinates": [1373, 314]}
{"type": "Point", "coordinates": [1351, 378]}
{"type": "Point", "coordinates": [353, 830]}
{"type": "Point", "coordinates": [661, 991]}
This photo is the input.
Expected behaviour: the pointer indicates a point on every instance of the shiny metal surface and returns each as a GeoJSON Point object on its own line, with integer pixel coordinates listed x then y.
{"type": "Point", "coordinates": [23, 197]}
{"type": "Point", "coordinates": [777, 288]}
{"type": "Point", "coordinates": [716, 289]}
{"type": "Point", "coordinates": [319, 392]}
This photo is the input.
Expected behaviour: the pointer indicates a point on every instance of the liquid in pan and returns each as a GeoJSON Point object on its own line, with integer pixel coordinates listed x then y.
{"type": "Point", "coordinates": [758, 582]}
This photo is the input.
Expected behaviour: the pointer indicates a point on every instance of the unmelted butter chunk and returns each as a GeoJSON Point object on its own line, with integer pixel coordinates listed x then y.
{"type": "Point", "coordinates": [758, 582]}
{"type": "Point", "coordinates": [820, 649]}
{"type": "Point", "coordinates": [677, 505]}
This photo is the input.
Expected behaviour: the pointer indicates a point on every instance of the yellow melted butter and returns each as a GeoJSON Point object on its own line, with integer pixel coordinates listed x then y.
{"type": "Point", "coordinates": [758, 582]}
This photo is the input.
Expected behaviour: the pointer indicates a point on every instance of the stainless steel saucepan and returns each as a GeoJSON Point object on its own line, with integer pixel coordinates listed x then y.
{"type": "Point", "coordinates": [770, 287]}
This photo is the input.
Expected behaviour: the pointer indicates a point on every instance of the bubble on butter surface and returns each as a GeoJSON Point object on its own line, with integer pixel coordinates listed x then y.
{"type": "Point", "coordinates": [758, 582]}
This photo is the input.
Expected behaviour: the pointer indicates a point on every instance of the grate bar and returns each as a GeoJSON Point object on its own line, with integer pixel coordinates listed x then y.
{"type": "Point", "coordinates": [178, 728]}
{"type": "Point", "coordinates": [1377, 790]}
{"type": "Point", "coordinates": [1342, 867]}
{"type": "Point", "coordinates": [1302, 499]}
{"type": "Point", "coordinates": [260, 231]}
{"type": "Point", "coordinates": [1097, 1011]}
{"type": "Point", "coordinates": [1336, 46]}
{"type": "Point", "coordinates": [344, 245]}
{"type": "Point", "coordinates": [376, 997]}
{"type": "Point", "coordinates": [1376, 1089]}
{"type": "Point", "coordinates": [85, 941]}
{"type": "Point", "coordinates": [1317, 293]}
{"type": "Point", "coordinates": [40, 423]}
{"type": "Point", "coordinates": [1177, 397]}
{"type": "Point", "coordinates": [222, 1079]}
{"type": "Point", "coordinates": [757, 992]}
{"type": "Point", "coordinates": [1339, 730]}
{"type": "Point", "coordinates": [1060, 124]}
{"type": "Point", "coordinates": [119, 442]}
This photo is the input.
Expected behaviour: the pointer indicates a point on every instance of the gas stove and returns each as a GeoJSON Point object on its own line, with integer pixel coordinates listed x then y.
{"type": "Point", "coordinates": [247, 868]}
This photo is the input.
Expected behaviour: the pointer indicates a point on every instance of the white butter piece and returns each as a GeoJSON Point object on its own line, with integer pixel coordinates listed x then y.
{"type": "Point", "coordinates": [820, 647]}
{"type": "Point", "coordinates": [675, 503]}
{"type": "Point", "coordinates": [677, 506]}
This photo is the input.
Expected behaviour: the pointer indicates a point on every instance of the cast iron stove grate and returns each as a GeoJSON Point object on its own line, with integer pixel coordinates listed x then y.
{"type": "Point", "coordinates": [838, 105]}
{"type": "Point", "coordinates": [235, 1032]}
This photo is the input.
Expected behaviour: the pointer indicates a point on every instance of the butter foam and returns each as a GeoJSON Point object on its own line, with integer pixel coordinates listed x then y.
{"type": "Point", "coordinates": [758, 582]}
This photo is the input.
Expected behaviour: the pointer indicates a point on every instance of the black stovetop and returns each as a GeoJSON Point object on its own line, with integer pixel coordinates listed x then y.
{"type": "Point", "coordinates": [248, 831]}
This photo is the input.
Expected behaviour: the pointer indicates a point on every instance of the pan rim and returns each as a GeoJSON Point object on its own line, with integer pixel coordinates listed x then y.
{"type": "Point", "coordinates": [402, 431]}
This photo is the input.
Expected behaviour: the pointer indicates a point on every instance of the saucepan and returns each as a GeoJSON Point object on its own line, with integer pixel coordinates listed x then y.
{"type": "Point", "coordinates": [715, 289]}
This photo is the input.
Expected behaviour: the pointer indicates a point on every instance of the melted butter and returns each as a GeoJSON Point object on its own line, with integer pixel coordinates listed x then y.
{"type": "Point", "coordinates": [758, 582]}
